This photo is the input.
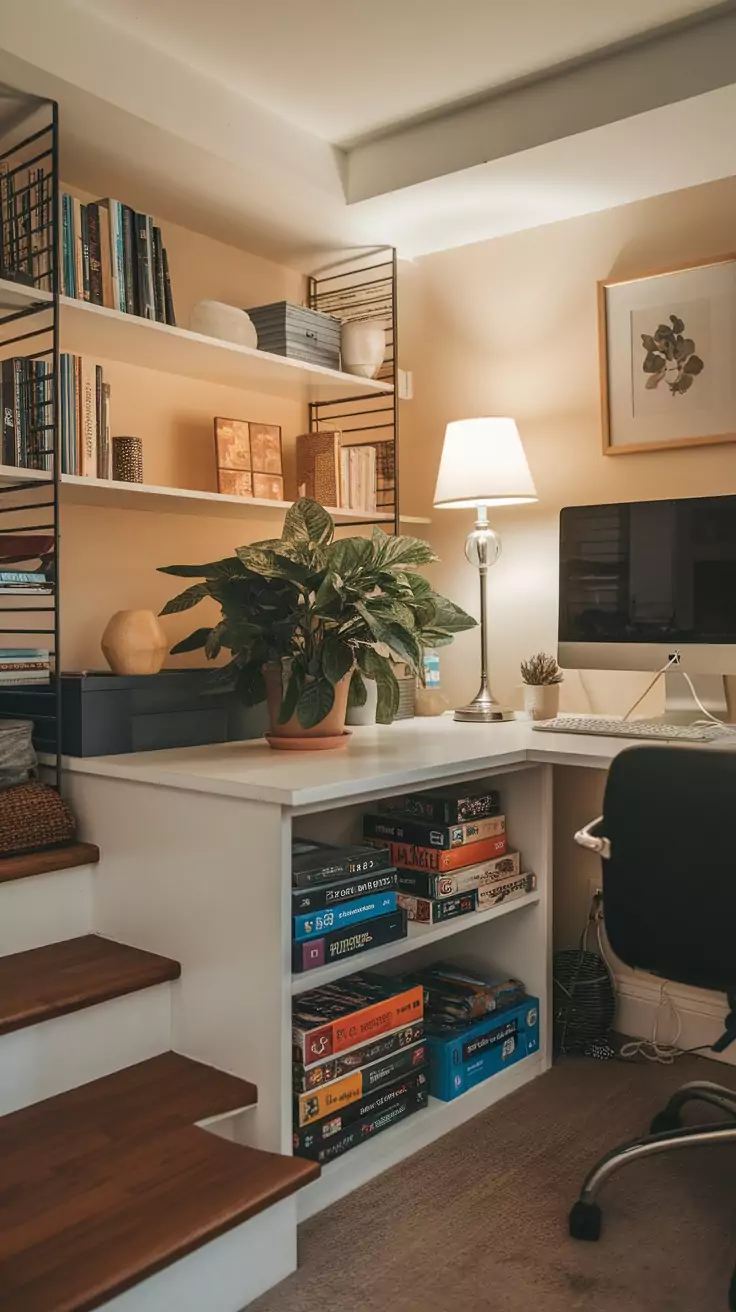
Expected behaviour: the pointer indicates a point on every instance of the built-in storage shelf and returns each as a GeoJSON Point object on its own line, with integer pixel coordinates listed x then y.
{"type": "Point", "coordinates": [419, 936]}
{"type": "Point", "coordinates": [95, 330]}
{"type": "Point", "coordinates": [79, 490]}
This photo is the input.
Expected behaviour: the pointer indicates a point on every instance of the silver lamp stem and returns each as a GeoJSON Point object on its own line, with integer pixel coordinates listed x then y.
{"type": "Point", "coordinates": [482, 549]}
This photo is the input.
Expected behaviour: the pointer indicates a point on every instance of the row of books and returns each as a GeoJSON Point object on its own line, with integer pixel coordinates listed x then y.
{"type": "Point", "coordinates": [26, 405]}
{"type": "Point", "coordinates": [110, 255]}
{"type": "Point", "coordinates": [369, 1051]}
{"type": "Point", "coordinates": [336, 473]}
{"type": "Point", "coordinates": [26, 200]}
{"type": "Point", "coordinates": [23, 664]}
{"type": "Point", "coordinates": [86, 444]}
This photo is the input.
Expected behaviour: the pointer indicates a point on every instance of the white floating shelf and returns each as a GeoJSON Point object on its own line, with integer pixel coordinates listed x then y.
{"type": "Point", "coordinates": [97, 331]}
{"type": "Point", "coordinates": [80, 491]}
{"type": "Point", "coordinates": [418, 937]}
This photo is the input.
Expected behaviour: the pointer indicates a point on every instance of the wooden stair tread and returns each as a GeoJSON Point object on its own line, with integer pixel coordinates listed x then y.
{"type": "Point", "coordinates": [53, 858]}
{"type": "Point", "coordinates": [104, 1185]}
{"type": "Point", "coordinates": [42, 983]}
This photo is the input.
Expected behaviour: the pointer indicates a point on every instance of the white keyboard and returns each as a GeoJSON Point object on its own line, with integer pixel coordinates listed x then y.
{"type": "Point", "coordinates": [654, 730]}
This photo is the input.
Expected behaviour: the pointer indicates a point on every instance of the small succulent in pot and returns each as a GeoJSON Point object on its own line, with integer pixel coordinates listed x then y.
{"type": "Point", "coordinates": [308, 619]}
{"type": "Point", "coordinates": [542, 677]}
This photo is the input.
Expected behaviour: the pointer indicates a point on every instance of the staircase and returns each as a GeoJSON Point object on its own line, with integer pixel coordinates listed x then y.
{"type": "Point", "coordinates": [112, 1194]}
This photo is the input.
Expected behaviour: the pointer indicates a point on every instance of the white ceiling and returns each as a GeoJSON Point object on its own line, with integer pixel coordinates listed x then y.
{"type": "Point", "coordinates": [345, 68]}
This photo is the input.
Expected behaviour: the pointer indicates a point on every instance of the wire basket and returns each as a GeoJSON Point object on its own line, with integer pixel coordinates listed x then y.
{"type": "Point", "coordinates": [583, 999]}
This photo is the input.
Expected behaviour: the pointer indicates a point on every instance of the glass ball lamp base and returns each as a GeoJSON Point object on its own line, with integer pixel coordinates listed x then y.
{"type": "Point", "coordinates": [482, 549]}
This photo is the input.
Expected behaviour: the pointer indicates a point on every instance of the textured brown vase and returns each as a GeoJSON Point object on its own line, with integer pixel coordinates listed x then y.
{"type": "Point", "coordinates": [332, 725]}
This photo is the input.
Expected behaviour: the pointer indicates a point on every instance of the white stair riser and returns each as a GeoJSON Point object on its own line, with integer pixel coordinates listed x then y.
{"type": "Point", "coordinates": [42, 1060]}
{"type": "Point", "coordinates": [224, 1275]}
{"type": "Point", "coordinates": [45, 909]}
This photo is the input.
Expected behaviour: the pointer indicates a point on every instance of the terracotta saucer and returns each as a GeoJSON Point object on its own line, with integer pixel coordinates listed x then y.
{"type": "Point", "coordinates": [326, 744]}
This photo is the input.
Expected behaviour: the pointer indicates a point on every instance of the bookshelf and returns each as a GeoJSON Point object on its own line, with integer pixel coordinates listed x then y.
{"type": "Point", "coordinates": [78, 490]}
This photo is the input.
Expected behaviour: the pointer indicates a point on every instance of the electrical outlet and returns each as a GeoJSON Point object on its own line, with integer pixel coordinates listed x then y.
{"type": "Point", "coordinates": [595, 887]}
{"type": "Point", "coordinates": [406, 385]}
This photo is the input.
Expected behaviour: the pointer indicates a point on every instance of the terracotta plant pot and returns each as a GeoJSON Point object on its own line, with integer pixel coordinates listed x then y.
{"type": "Point", "coordinates": [541, 700]}
{"type": "Point", "coordinates": [333, 725]}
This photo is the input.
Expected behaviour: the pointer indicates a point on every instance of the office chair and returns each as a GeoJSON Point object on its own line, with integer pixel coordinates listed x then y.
{"type": "Point", "coordinates": [667, 837]}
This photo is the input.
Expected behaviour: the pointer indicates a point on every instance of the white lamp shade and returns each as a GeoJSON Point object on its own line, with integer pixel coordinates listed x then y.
{"type": "Point", "coordinates": [483, 464]}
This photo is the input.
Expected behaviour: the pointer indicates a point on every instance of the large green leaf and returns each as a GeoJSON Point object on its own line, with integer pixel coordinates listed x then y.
{"type": "Point", "coordinates": [185, 600]}
{"type": "Point", "coordinates": [379, 668]}
{"type": "Point", "coordinates": [194, 642]}
{"type": "Point", "coordinates": [308, 521]}
{"type": "Point", "coordinates": [448, 617]}
{"type": "Point", "coordinates": [397, 552]}
{"type": "Point", "coordinates": [213, 645]}
{"type": "Point", "coordinates": [404, 645]}
{"type": "Point", "coordinates": [291, 695]}
{"type": "Point", "coordinates": [230, 567]}
{"type": "Point", "coordinates": [251, 685]}
{"type": "Point", "coordinates": [349, 556]}
{"type": "Point", "coordinates": [357, 693]}
{"type": "Point", "coordinates": [337, 659]}
{"type": "Point", "coordinates": [316, 701]}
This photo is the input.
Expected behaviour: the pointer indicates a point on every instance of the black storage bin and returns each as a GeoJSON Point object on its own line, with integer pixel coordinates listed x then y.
{"type": "Point", "coordinates": [104, 714]}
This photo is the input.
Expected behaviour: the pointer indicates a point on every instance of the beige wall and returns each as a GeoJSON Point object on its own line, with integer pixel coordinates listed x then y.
{"type": "Point", "coordinates": [109, 557]}
{"type": "Point", "coordinates": [509, 327]}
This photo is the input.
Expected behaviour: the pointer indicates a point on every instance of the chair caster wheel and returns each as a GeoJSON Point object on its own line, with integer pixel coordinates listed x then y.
{"type": "Point", "coordinates": [664, 1122]}
{"type": "Point", "coordinates": [586, 1221]}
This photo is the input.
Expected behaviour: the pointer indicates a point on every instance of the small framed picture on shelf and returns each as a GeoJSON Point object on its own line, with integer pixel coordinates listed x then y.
{"type": "Point", "coordinates": [249, 462]}
{"type": "Point", "coordinates": [667, 346]}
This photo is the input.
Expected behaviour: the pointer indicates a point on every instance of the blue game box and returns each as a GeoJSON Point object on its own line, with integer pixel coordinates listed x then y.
{"type": "Point", "coordinates": [461, 1059]}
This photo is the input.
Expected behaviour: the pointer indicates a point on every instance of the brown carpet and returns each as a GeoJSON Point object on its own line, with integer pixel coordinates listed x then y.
{"type": "Point", "coordinates": [477, 1222]}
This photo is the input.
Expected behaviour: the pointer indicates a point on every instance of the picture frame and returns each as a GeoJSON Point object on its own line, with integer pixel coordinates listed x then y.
{"type": "Point", "coordinates": [667, 342]}
{"type": "Point", "coordinates": [249, 459]}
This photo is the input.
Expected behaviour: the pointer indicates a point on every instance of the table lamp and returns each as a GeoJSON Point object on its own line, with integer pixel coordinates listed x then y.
{"type": "Point", "coordinates": [483, 464]}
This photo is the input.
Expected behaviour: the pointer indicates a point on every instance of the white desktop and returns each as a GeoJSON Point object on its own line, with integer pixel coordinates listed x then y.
{"type": "Point", "coordinates": [651, 585]}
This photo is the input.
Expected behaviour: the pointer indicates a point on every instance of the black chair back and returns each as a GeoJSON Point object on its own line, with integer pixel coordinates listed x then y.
{"type": "Point", "coordinates": [669, 887]}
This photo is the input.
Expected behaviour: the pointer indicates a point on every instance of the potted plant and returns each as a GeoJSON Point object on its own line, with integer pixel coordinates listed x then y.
{"type": "Point", "coordinates": [308, 619]}
{"type": "Point", "coordinates": [542, 678]}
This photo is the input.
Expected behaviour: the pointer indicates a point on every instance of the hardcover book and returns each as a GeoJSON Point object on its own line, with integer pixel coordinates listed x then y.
{"type": "Point", "coordinates": [402, 830]}
{"type": "Point", "coordinates": [366, 1128]}
{"type": "Point", "coordinates": [505, 890]}
{"type": "Point", "coordinates": [413, 856]}
{"type": "Point", "coordinates": [351, 1088]}
{"type": "Point", "coordinates": [448, 806]}
{"type": "Point", "coordinates": [433, 911]}
{"type": "Point", "coordinates": [321, 863]}
{"type": "Point", "coordinates": [341, 1016]}
{"type": "Point", "coordinates": [331, 895]}
{"type": "Point", "coordinates": [315, 923]}
{"type": "Point", "coordinates": [423, 883]}
{"type": "Point", "coordinates": [305, 1078]}
{"type": "Point", "coordinates": [378, 1100]}
{"type": "Point", "coordinates": [348, 942]}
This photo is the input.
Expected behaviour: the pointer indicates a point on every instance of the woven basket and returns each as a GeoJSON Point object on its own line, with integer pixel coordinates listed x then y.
{"type": "Point", "coordinates": [32, 816]}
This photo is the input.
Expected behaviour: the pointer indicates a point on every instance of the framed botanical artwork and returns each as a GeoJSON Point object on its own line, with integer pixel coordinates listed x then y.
{"type": "Point", "coordinates": [249, 459]}
{"type": "Point", "coordinates": [668, 358]}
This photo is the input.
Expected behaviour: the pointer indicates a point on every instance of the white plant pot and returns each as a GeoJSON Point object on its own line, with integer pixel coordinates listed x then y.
{"type": "Point", "coordinates": [362, 346]}
{"type": "Point", "coordinates": [227, 322]}
{"type": "Point", "coordinates": [542, 700]}
{"type": "Point", "coordinates": [365, 714]}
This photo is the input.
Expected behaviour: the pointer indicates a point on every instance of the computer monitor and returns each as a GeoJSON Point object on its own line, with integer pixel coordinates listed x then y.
{"type": "Point", "coordinates": [643, 580]}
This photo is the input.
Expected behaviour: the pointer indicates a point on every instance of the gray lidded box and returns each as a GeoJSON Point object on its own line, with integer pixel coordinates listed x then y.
{"type": "Point", "coordinates": [295, 331]}
{"type": "Point", "coordinates": [103, 714]}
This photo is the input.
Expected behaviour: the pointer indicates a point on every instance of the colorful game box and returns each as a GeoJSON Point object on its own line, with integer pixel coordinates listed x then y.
{"type": "Point", "coordinates": [461, 1059]}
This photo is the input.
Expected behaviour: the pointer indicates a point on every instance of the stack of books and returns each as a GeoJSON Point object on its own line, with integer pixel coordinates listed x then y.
{"type": "Point", "coordinates": [86, 446]}
{"type": "Point", "coordinates": [450, 850]}
{"type": "Point", "coordinates": [24, 665]}
{"type": "Point", "coordinates": [358, 478]}
{"type": "Point", "coordinates": [476, 1025]}
{"type": "Point", "coordinates": [112, 256]}
{"type": "Point", "coordinates": [359, 1062]}
{"type": "Point", "coordinates": [27, 412]}
{"type": "Point", "coordinates": [344, 901]}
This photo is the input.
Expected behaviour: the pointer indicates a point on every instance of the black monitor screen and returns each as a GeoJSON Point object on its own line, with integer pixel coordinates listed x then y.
{"type": "Point", "coordinates": [649, 571]}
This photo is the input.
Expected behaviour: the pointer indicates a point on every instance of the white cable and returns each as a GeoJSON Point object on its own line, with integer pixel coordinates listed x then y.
{"type": "Point", "coordinates": [728, 729]}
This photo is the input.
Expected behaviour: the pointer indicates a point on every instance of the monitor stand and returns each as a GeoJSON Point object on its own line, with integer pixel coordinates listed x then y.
{"type": "Point", "coordinates": [681, 708]}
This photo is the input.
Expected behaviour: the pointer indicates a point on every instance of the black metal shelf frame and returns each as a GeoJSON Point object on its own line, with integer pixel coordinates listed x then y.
{"type": "Point", "coordinates": [364, 287]}
{"type": "Point", "coordinates": [29, 351]}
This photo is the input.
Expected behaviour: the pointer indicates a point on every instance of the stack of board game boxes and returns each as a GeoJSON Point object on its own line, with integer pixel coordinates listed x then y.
{"type": "Point", "coordinates": [476, 1025]}
{"type": "Point", "coordinates": [359, 1062]}
{"type": "Point", "coordinates": [344, 901]}
{"type": "Point", "coordinates": [450, 850]}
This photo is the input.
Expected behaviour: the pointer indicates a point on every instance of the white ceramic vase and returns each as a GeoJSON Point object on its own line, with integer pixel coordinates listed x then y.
{"type": "Point", "coordinates": [541, 700]}
{"type": "Point", "coordinates": [362, 347]}
{"type": "Point", "coordinates": [365, 714]}
{"type": "Point", "coordinates": [228, 322]}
